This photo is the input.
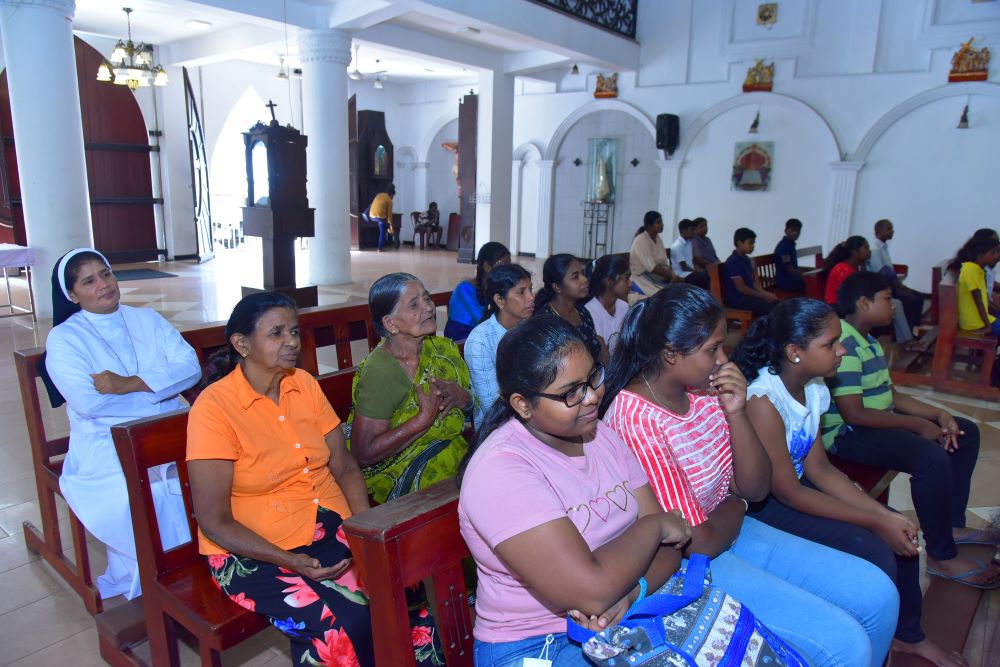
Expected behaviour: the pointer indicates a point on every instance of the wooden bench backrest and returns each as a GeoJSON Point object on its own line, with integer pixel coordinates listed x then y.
{"type": "Point", "coordinates": [336, 387]}
{"type": "Point", "coordinates": [715, 274]}
{"type": "Point", "coordinates": [401, 543]}
{"type": "Point", "coordinates": [320, 326]}
{"type": "Point", "coordinates": [141, 445]}
{"type": "Point", "coordinates": [947, 299]}
{"type": "Point", "coordinates": [814, 251]}
{"type": "Point", "coordinates": [45, 449]}
{"type": "Point", "coordinates": [938, 272]}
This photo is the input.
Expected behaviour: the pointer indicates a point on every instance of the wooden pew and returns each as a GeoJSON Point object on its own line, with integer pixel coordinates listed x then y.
{"type": "Point", "coordinates": [178, 590]}
{"type": "Point", "coordinates": [399, 544]}
{"type": "Point", "coordinates": [741, 317]}
{"type": "Point", "coordinates": [950, 338]}
{"type": "Point", "coordinates": [320, 326]}
{"type": "Point", "coordinates": [937, 272]}
{"type": "Point", "coordinates": [766, 270]}
{"type": "Point", "coordinates": [47, 454]}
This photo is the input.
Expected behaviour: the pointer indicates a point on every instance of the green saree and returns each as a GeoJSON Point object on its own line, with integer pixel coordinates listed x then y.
{"type": "Point", "coordinates": [433, 456]}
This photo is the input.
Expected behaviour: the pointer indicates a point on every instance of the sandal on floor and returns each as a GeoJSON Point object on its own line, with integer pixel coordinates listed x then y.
{"type": "Point", "coordinates": [961, 577]}
{"type": "Point", "coordinates": [983, 537]}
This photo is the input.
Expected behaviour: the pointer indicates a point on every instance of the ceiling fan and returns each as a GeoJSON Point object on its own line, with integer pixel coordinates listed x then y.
{"type": "Point", "coordinates": [357, 75]}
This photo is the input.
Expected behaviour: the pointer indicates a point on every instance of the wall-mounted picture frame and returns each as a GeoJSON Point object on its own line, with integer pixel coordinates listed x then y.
{"type": "Point", "coordinates": [752, 165]}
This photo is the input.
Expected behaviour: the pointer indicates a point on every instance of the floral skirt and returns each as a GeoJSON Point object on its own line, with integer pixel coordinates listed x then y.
{"type": "Point", "coordinates": [327, 622]}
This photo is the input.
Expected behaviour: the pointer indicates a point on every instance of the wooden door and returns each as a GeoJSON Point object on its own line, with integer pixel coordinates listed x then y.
{"type": "Point", "coordinates": [199, 174]}
{"type": "Point", "coordinates": [118, 166]}
{"type": "Point", "coordinates": [468, 129]}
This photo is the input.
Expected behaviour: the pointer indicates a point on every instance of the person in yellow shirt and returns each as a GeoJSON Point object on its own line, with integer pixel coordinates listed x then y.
{"type": "Point", "coordinates": [380, 212]}
{"type": "Point", "coordinates": [973, 301]}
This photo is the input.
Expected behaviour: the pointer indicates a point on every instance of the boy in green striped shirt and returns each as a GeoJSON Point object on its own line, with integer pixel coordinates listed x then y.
{"type": "Point", "coordinates": [871, 423]}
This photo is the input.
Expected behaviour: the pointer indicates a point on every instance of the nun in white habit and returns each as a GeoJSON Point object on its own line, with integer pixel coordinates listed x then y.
{"type": "Point", "coordinates": [113, 363]}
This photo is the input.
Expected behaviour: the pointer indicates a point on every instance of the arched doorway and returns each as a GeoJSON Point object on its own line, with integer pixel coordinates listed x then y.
{"type": "Point", "coordinates": [118, 166]}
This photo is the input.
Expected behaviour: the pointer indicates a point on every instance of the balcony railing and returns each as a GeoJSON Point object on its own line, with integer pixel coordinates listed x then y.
{"type": "Point", "coordinates": [618, 16]}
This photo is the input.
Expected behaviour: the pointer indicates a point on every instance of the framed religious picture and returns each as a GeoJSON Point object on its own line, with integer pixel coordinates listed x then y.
{"type": "Point", "coordinates": [752, 165]}
{"type": "Point", "coordinates": [603, 170]}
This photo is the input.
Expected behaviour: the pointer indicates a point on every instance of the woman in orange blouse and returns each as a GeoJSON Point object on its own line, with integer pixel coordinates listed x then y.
{"type": "Point", "coordinates": [272, 482]}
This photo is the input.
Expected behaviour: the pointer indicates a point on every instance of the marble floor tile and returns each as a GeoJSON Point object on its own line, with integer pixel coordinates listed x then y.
{"type": "Point", "coordinates": [34, 626]}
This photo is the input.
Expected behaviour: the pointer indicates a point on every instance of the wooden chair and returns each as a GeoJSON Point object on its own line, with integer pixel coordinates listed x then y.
{"type": "Point", "coordinates": [417, 230]}
{"type": "Point", "coordinates": [177, 587]}
{"type": "Point", "coordinates": [937, 271]}
{"type": "Point", "coordinates": [404, 542]}
{"type": "Point", "coordinates": [765, 269]}
{"type": "Point", "coordinates": [741, 317]}
{"type": "Point", "coordinates": [981, 347]}
{"type": "Point", "coordinates": [454, 231]}
{"type": "Point", "coordinates": [47, 454]}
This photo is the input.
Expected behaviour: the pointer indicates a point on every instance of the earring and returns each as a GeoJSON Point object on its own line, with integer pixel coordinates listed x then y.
{"type": "Point", "coordinates": [394, 332]}
{"type": "Point", "coordinates": [501, 306]}
{"type": "Point", "coordinates": [244, 354]}
{"type": "Point", "coordinates": [796, 360]}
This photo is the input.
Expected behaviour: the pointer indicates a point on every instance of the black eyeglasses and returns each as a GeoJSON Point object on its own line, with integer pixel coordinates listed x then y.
{"type": "Point", "coordinates": [575, 395]}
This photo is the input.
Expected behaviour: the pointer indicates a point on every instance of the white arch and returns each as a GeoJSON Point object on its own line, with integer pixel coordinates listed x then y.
{"type": "Point", "coordinates": [406, 152]}
{"type": "Point", "coordinates": [882, 125]}
{"type": "Point", "coordinates": [436, 127]}
{"type": "Point", "coordinates": [753, 99]}
{"type": "Point", "coordinates": [592, 107]}
{"type": "Point", "coordinates": [527, 150]}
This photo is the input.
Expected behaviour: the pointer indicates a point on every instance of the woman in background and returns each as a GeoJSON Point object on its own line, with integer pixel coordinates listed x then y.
{"type": "Point", "coordinates": [564, 287]}
{"type": "Point", "coordinates": [610, 283]}
{"type": "Point", "coordinates": [648, 259]}
{"type": "Point", "coordinates": [509, 301]}
{"type": "Point", "coordinates": [468, 302]}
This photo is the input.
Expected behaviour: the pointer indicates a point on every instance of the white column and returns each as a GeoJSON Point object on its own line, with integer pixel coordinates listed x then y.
{"type": "Point", "coordinates": [494, 146]}
{"type": "Point", "coordinates": [516, 167]}
{"type": "Point", "coordinates": [325, 55]}
{"type": "Point", "coordinates": [845, 181]}
{"type": "Point", "coordinates": [175, 165]}
{"type": "Point", "coordinates": [420, 186]}
{"type": "Point", "coordinates": [45, 109]}
{"type": "Point", "coordinates": [667, 204]}
{"type": "Point", "coordinates": [546, 171]}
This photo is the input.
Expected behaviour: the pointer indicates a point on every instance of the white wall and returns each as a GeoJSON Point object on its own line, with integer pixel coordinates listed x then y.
{"type": "Point", "coordinates": [938, 190]}
{"type": "Point", "coordinates": [636, 186]}
{"type": "Point", "coordinates": [440, 179]}
{"type": "Point", "coordinates": [799, 181]}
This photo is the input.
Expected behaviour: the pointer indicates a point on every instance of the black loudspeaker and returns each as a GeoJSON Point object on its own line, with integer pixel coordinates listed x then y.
{"type": "Point", "coordinates": [668, 132]}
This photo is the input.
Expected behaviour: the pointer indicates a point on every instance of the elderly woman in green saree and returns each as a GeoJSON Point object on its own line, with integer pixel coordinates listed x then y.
{"type": "Point", "coordinates": [411, 394]}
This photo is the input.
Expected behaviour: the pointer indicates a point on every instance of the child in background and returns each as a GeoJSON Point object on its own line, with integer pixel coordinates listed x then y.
{"type": "Point", "coordinates": [971, 292]}
{"type": "Point", "coordinates": [610, 282]}
{"type": "Point", "coordinates": [742, 290]}
{"type": "Point", "coordinates": [786, 274]}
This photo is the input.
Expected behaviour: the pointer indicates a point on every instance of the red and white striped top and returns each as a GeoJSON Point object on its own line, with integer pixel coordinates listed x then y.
{"type": "Point", "coordinates": [687, 458]}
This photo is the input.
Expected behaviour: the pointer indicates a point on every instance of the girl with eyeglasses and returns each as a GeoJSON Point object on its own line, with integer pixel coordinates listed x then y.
{"type": "Point", "coordinates": [679, 404]}
{"type": "Point", "coordinates": [556, 511]}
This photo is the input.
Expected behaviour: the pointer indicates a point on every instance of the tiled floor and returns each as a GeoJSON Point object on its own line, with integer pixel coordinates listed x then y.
{"type": "Point", "coordinates": [43, 623]}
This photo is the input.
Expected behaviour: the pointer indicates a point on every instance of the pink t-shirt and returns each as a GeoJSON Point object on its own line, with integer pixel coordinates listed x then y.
{"type": "Point", "coordinates": [688, 458]}
{"type": "Point", "coordinates": [514, 483]}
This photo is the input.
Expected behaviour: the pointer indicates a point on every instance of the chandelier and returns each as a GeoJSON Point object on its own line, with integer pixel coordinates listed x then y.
{"type": "Point", "coordinates": [132, 64]}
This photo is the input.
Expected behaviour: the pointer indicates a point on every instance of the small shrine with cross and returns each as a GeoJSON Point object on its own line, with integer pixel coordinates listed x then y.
{"type": "Point", "coordinates": [277, 208]}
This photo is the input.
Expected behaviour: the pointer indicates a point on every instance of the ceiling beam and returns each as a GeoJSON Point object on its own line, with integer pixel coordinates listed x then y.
{"type": "Point", "coordinates": [222, 45]}
{"type": "Point", "coordinates": [529, 62]}
{"type": "Point", "coordinates": [576, 40]}
{"type": "Point", "coordinates": [432, 46]}
{"type": "Point", "coordinates": [269, 12]}
{"type": "Point", "coordinates": [362, 14]}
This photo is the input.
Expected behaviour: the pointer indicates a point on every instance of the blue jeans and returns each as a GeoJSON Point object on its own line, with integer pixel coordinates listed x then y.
{"type": "Point", "coordinates": [562, 652]}
{"type": "Point", "coordinates": [836, 609]}
{"type": "Point", "coordinates": [383, 225]}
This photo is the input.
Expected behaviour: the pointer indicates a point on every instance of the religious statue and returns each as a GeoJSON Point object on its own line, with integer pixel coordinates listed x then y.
{"type": "Point", "coordinates": [602, 188]}
{"type": "Point", "coordinates": [969, 64]}
{"type": "Point", "coordinates": [607, 86]}
{"type": "Point", "coordinates": [452, 147]}
{"type": "Point", "coordinates": [760, 78]}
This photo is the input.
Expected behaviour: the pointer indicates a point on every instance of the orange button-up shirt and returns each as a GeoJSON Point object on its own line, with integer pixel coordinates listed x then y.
{"type": "Point", "coordinates": [279, 455]}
